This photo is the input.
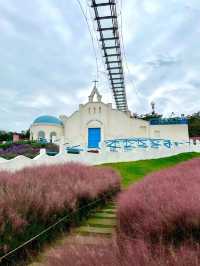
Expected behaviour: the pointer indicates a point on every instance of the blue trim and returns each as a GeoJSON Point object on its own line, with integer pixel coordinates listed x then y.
{"type": "Point", "coordinates": [169, 121]}
{"type": "Point", "coordinates": [47, 119]}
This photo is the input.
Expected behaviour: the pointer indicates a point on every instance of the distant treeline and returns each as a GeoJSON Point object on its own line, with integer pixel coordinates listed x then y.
{"type": "Point", "coordinates": [8, 136]}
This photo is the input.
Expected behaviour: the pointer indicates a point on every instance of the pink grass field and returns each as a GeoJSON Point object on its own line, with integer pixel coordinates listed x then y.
{"type": "Point", "coordinates": [159, 217]}
{"type": "Point", "coordinates": [158, 224]}
{"type": "Point", "coordinates": [137, 254]}
{"type": "Point", "coordinates": [164, 206]}
{"type": "Point", "coordinates": [42, 194]}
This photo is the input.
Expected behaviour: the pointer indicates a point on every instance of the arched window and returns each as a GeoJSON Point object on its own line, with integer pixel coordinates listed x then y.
{"type": "Point", "coordinates": [41, 135]}
{"type": "Point", "coordinates": [99, 109]}
{"type": "Point", "coordinates": [52, 134]}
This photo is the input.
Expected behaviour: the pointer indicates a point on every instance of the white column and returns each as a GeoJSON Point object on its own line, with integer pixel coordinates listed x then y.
{"type": "Point", "coordinates": [42, 151]}
{"type": "Point", "coordinates": [61, 145]}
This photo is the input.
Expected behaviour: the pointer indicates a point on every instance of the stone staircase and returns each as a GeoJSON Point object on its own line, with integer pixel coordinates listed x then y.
{"type": "Point", "coordinates": [95, 230]}
{"type": "Point", "coordinates": [100, 223]}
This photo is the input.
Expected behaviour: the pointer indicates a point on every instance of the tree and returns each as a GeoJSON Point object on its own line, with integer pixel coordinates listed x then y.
{"type": "Point", "coordinates": [194, 124]}
{"type": "Point", "coordinates": [6, 136]}
{"type": "Point", "coordinates": [25, 134]}
{"type": "Point", "coordinates": [148, 117]}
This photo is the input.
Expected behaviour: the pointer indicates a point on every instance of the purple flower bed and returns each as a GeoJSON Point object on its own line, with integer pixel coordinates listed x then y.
{"type": "Point", "coordinates": [29, 150]}
{"type": "Point", "coordinates": [19, 149]}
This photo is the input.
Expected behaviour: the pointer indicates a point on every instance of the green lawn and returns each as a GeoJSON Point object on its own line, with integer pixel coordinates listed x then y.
{"type": "Point", "coordinates": [133, 171]}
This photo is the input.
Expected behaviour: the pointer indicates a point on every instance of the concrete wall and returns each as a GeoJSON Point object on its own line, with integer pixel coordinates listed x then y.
{"type": "Point", "coordinates": [172, 132]}
{"type": "Point", "coordinates": [94, 159]}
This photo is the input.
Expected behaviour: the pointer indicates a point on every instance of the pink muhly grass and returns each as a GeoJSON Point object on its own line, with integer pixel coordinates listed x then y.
{"type": "Point", "coordinates": [128, 253]}
{"type": "Point", "coordinates": [83, 255]}
{"type": "Point", "coordinates": [158, 225]}
{"type": "Point", "coordinates": [164, 206]}
{"type": "Point", "coordinates": [141, 253]}
{"type": "Point", "coordinates": [43, 194]}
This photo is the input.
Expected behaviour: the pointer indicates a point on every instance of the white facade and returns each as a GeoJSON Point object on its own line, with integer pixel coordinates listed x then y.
{"type": "Point", "coordinates": [46, 131]}
{"type": "Point", "coordinates": [96, 121]}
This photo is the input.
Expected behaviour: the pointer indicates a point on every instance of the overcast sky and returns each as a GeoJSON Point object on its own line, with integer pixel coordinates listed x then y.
{"type": "Point", "coordinates": [47, 63]}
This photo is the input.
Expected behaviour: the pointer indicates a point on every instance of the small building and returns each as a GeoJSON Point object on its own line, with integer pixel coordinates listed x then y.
{"type": "Point", "coordinates": [46, 127]}
{"type": "Point", "coordinates": [95, 122]}
{"type": "Point", "coordinates": [16, 137]}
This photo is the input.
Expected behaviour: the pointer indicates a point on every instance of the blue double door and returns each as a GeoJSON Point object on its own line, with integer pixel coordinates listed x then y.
{"type": "Point", "coordinates": [94, 137]}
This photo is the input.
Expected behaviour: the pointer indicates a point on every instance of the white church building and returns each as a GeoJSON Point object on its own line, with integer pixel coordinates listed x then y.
{"type": "Point", "coordinates": [95, 122]}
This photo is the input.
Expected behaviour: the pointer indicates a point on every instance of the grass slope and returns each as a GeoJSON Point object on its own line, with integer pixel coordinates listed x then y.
{"type": "Point", "coordinates": [134, 171]}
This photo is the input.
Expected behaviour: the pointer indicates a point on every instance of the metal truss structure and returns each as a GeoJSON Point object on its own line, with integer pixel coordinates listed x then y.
{"type": "Point", "coordinates": [107, 26]}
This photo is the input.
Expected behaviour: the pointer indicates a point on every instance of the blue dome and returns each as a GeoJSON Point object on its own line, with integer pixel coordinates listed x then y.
{"type": "Point", "coordinates": [47, 119]}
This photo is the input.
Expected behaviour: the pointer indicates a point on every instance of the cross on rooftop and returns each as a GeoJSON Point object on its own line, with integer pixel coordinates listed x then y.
{"type": "Point", "coordinates": [95, 83]}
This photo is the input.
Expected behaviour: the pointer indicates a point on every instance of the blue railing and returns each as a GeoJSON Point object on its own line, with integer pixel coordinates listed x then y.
{"type": "Point", "coordinates": [169, 121]}
{"type": "Point", "coordinates": [74, 149]}
{"type": "Point", "coordinates": [134, 143]}
{"type": "Point", "coordinates": [52, 153]}
{"type": "Point", "coordinates": [42, 141]}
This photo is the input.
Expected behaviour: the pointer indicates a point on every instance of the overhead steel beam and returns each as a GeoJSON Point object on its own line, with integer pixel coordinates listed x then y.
{"type": "Point", "coordinates": [114, 68]}
{"type": "Point", "coordinates": [109, 39]}
{"type": "Point", "coordinates": [105, 17]}
{"type": "Point", "coordinates": [113, 62]}
{"type": "Point", "coordinates": [102, 4]}
{"type": "Point", "coordinates": [107, 29]}
{"type": "Point", "coordinates": [112, 47]}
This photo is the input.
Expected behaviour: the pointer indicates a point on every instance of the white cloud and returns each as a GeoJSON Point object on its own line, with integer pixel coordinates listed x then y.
{"type": "Point", "coordinates": [151, 7]}
{"type": "Point", "coordinates": [47, 63]}
{"type": "Point", "coordinates": [7, 27]}
{"type": "Point", "coordinates": [162, 91]}
{"type": "Point", "coordinates": [54, 16]}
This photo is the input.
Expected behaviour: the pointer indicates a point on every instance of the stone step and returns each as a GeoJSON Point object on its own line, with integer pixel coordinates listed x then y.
{"type": "Point", "coordinates": [94, 230]}
{"type": "Point", "coordinates": [36, 264]}
{"type": "Point", "coordinates": [102, 222]}
{"type": "Point", "coordinates": [104, 215]}
{"type": "Point", "coordinates": [90, 239]}
{"type": "Point", "coordinates": [111, 204]}
{"type": "Point", "coordinates": [109, 210]}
